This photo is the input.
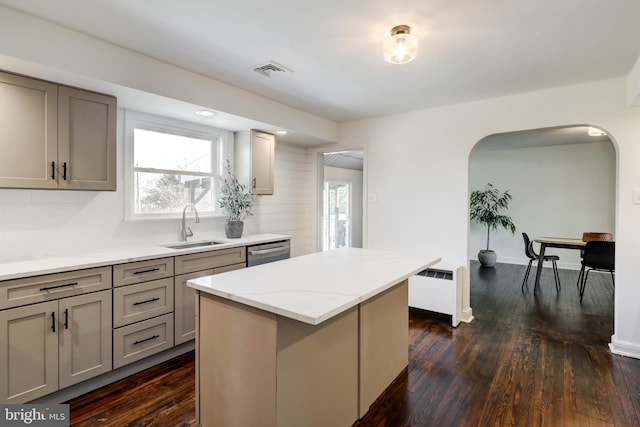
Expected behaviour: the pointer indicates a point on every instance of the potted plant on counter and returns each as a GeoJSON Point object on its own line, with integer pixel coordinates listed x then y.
{"type": "Point", "coordinates": [486, 208]}
{"type": "Point", "coordinates": [236, 202]}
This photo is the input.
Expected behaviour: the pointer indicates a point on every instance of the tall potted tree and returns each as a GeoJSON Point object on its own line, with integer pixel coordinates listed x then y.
{"type": "Point", "coordinates": [486, 208]}
{"type": "Point", "coordinates": [236, 202]}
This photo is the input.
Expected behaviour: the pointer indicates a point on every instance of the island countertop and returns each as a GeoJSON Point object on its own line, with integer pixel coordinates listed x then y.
{"type": "Point", "coordinates": [313, 288]}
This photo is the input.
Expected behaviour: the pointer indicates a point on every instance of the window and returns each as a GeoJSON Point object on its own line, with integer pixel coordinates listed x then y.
{"type": "Point", "coordinates": [170, 164]}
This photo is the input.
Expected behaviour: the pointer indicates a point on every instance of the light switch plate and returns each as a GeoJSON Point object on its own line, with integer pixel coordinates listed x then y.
{"type": "Point", "coordinates": [636, 197]}
{"type": "Point", "coordinates": [372, 197]}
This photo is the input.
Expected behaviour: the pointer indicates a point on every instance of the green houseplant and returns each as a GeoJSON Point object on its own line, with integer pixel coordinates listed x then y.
{"type": "Point", "coordinates": [486, 208]}
{"type": "Point", "coordinates": [236, 202]}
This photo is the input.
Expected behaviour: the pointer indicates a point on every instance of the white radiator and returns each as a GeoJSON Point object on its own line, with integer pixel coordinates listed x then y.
{"type": "Point", "coordinates": [438, 289]}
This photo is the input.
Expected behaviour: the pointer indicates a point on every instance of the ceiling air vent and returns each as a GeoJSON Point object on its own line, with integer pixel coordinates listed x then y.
{"type": "Point", "coordinates": [271, 67]}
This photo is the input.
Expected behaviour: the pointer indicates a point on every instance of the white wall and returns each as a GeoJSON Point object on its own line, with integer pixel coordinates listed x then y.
{"type": "Point", "coordinates": [290, 209]}
{"type": "Point", "coordinates": [46, 223]}
{"type": "Point", "coordinates": [560, 190]}
{"type": "Point", "coordinates": [417, 163]}
{"type": "Point", "coordinates": [355, 178]}
{"type": "Point", "coordinates": [38, 48]}
{"type": "Point", "coordinates": [418, 169]}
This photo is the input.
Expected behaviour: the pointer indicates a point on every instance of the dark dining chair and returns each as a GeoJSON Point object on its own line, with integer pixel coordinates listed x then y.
{"type": "Point", "coordinates": [533, 256]}
{"type": "Point", "coordinates": [600, 256]}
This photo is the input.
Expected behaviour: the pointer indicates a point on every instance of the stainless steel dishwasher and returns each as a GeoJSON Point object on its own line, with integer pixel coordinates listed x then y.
{"type": "Point", "coordinates": [267, 252]}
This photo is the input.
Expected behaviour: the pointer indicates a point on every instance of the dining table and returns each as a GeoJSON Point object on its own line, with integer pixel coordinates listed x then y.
{"type": "Point", "coordinates": [554, 242]}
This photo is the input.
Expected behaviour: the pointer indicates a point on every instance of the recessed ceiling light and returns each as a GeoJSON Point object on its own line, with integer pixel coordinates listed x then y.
{"type": "Point", "coordinates": [282, 132]}
{"type": "Point", "coordinates": [206, 113]}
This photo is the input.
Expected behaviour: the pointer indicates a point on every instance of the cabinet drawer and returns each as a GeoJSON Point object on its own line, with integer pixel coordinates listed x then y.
{"type": "Point", "coordinates": [211, 259]}
{"type": "Point", "coordinates": [142, 301]}
{"type": "Point", "coordinates": [142, 271]}
{"type": "Point", "coordinates": [142, 339]}
{"type": "Point", "coordinates": [29, 290]}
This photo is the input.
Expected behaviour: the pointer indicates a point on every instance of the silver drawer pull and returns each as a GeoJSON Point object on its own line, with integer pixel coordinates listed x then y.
{"type": "Point", "coordinates": [267, 251]}
{"type": "Point", "coordinates": [151, 270]}
{"type": "Point", "coordinates": [48, 288]}
{"type": "Point", "coordinates": [146, 301]}
{"type": "Point", "coordinates": [146, 339]}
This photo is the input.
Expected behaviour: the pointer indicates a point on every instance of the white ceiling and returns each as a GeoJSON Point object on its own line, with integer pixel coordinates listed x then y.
{"type": "Point", "coordinates": [469, 49]}
{"type": "Point", "coordinates": [540, 137]}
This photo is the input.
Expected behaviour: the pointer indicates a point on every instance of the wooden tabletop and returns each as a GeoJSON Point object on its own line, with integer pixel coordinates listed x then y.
{"type": "Point", "coordinates": [560, 241]}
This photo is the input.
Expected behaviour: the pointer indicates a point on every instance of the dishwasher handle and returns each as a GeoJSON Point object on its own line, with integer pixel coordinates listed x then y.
{"type": "Point", "coordinates": [267, 251]}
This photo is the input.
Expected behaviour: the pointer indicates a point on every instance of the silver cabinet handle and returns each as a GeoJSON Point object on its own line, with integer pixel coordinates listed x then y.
{"type": "Point", "coordinates": [267, 251]}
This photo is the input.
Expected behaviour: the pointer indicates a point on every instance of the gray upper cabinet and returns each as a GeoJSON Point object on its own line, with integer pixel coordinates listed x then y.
{"type": "Point", "coordinates": [28, 132]}
{"type": "Point", "coordinates": [86, 140]}
{"type": "Point", "coordinates": [255, 160]}
{"type": "Point", "coordinates": [53, 136]}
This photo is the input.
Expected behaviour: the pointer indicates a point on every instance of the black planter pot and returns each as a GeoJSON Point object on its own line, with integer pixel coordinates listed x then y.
{"type": "Point", "coordinates": [487, 258]}
{"type": "Point", "coordinates": [233, 229]}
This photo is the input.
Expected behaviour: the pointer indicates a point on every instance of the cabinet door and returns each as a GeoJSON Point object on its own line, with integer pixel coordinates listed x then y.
{"type": "Point", "coordinates": [85, 337]}
{"type": "Point", "coordinates": [262, 157]}
{"type": "Point", "coordinates": [86, 140]}
{"type": "Point", "coordinates": [185, 298]}
{"type": "Point", "coordinates": [28, 132]}
{"type": "Point", "coordinates": [28, 352]}
{"type": "Point", "coordinates": [185, 312]}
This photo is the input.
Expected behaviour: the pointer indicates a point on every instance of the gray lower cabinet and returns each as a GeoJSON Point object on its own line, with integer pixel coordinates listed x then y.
{"type": "Point", "coordinates": [196, 265]}
{"type": "Point", "coordinates": [142, 309]}
{"type": "Point", "coordinates": [60, 329]}
{"type": "Point", "coordinates": [142, 339]}
{"type": "Point", "coordinates": [52, 345]}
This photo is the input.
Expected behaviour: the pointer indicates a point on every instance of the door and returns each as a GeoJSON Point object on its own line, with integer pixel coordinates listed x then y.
{"type": "Point", "coordinates": [86, 140]}
{"type": "Point", "coordinates": [341, 215]}
{"type": "Point", "coordinates": [28, 352]}
{"type": "Point", "coordinates": [85, 337]}
{"type": "Point", "coordinates": [336, 218]}
{"type": "Point", "coordinates": [262, 158]}
{"type": "Point", "coordinates": [28, 132]}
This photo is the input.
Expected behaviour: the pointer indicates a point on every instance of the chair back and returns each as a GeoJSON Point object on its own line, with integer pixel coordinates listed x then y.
{"type": "Point", "coordinates": [587, 236]}
{"type": "Point", "coordinates": [600, 254]}
{"type": "Point", "coordinates": [528, 247]}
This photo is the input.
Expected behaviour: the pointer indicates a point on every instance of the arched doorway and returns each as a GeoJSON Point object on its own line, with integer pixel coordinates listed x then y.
{"type": "Point", "coordinates": [563, 183]}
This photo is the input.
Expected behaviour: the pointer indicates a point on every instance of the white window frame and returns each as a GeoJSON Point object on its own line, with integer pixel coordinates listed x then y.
{"type": "Point", "coordinates": [223, 148]}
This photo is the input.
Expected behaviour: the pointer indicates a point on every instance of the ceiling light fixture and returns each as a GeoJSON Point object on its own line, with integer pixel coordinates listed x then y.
{"type": "Point", "coordinates": [595, 132]}
{"type": "Point", "coordinates": [401, 47]}
{"type": "Point", "coordinates": [205, 113]}
{"type": "Point", "coordinates": [282, 132]}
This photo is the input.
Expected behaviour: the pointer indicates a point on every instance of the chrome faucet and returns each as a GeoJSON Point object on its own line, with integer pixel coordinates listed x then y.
{"type": "Point", "coordinates": [186, 231]}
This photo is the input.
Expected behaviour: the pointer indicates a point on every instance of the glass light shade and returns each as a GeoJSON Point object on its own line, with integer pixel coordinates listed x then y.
{"type": "Point", "coordinates": [401, 47]}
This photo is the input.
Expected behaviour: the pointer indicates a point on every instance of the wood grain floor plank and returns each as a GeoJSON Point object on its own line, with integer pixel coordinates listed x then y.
{"type": "Point", "coordinates": [526, 360]}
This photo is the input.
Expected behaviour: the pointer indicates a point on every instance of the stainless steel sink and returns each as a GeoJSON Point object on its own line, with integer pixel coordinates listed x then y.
{"type": "Point", "coordinates": [187, 245]}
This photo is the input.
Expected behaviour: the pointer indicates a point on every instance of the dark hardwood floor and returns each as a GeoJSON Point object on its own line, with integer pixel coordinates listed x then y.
{"type": "Point", "coordinates": [524, 361]}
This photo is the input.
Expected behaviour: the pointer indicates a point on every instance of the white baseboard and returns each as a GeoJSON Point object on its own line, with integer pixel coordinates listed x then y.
{"type": "Point", "coordinates": [624, 348]}
{"type": "Point", "coordinates": [525, 261]}
{"type": "Point", "coordinates": [466, 315]}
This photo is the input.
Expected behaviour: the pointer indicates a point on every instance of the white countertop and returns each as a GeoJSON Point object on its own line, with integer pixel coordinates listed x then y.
{"type": "Point", "coordinates": [35, 267]}
{"type": "Point", "coordinates": [313, 288]}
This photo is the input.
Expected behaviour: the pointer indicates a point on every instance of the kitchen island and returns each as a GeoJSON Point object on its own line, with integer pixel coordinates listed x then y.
{"type": "Point", "coordinates": [308, 341]}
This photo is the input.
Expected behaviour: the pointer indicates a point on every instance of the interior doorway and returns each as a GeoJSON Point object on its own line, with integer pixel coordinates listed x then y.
{"type": "Point", "coordinates": [341, 200]}
{"type": "Point", "coordinates": [563, 184]}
